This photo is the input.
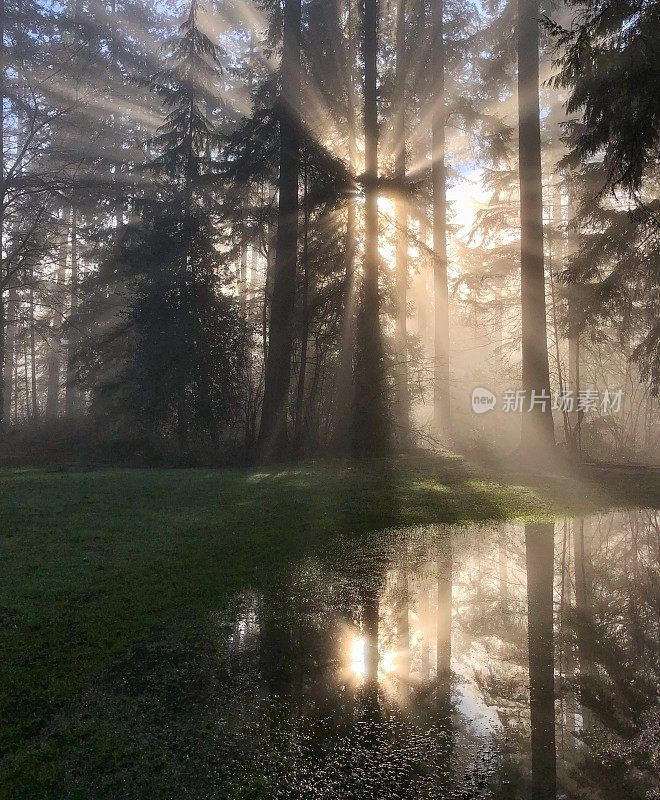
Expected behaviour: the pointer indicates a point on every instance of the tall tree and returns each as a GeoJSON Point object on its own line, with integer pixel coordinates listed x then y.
{"type": "Point", "coordinates": [608, 60]}
{"type": "Point", "coordinates": [101, 54]}
{"type": "Point", "coordinates": [441, 384]}
{"type": "Point", "coordinates": [370, 433]}
{"type": "Point", "coordinates": [537, 425]}
{"type": "Point", "coordinates": [3, 339]}
{"type": "Point", "coordinates": [25, 125]}
{"type": "Point", "coordinates": [54, 336]}
{"type": "Point", "coordinates": [402, 241]}
{"type": "Point", "coordinates": [273, 431]}
{"type": "Point", "coordinates": [72, 395]}
{"type": "Point", "coordinates": [170, 356]}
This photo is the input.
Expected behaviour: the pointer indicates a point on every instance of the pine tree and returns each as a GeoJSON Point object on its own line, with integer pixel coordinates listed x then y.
{"type": "Point", "coordinates": [402, 240]}
{"type": "Point", "coordinates": [100, 53]}
{"type": "Point", "coordinates": [273, 430]}
{"type": "Point", "coordinates": [181, 332]}
{"type": "Point", "coordinates": [441, 386]}
{"type": "Point", "coordinates": [537, 426]}
{"type": "Point", "coordinates": [608, 62]}
{"type": "Point", "coordinates": [371, 436]}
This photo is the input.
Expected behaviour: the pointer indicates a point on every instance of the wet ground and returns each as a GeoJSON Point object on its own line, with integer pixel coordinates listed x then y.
{"type": "Point", "coordinates": [505, 661]}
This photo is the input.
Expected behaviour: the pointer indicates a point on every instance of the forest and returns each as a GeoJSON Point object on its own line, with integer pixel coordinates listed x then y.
{"type": "Point", "coordinates": [329, 400]}
{"type": "Point", "coordinates": [237, 232]}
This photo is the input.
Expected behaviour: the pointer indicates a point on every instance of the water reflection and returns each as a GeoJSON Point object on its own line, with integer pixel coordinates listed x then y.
{"type": "Point", "coordinates": [498, 662]}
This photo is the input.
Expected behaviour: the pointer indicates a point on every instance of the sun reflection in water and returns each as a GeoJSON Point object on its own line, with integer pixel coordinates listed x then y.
{"type": "Point", "coordinates": [388, 662]}
{"type": "Point", "coordinates": [358, 660]}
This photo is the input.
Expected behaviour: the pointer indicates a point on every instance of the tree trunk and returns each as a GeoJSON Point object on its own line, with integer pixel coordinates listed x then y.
{"type": "Point", "coordinates": [401, 374]}
{"type": "Point", "coordinates": [71, 396]}
{"type": "Point", "coordinates": [15, 383]}
{"type": "Point", "coordinates": [273, 432]}
{"type": "Point", "coordinates": [299, 432]}
{"type": "Point", "coordinates": [370, 436]}
{"type": "Point", "coordinates": [555, 253]}
{"type": "Point", "coordinates": [243, 269]}
{"type": "Point", "coordinates": [33, 355]}
{"type": "Point", "coordinates": [3, 388]}
{"type": "Point", "coordinates": [26, 376]}
{"type": "Point", "coordinates": [9, 352]}
{"type": "Point", "coordinates": [574, 380]}
{"type": "Point", "coordinates": [53, 372]}
{"type": "Point", "coordinates": [441, 385]}
{"type": "Point", "coordinates": [54, 359]}
{"type": "Point", "coordinates": [537, 425]}
{"type": "Point", "coordinates": [539, 547]}
{"type": "Point", "coordinates": [3, 314]}
{"type": "Point", "coordinates": [271, 236]}
{"type": "Point", "coordinates": [344, 399]}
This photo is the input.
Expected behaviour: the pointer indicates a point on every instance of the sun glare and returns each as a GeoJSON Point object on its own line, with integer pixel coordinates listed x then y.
{"type": "Point", "coordinates": [467, 198]}
{"type": "Point", "coordinates": [358, 662]}
{"type": "Point", "coordinates": [387, 663]}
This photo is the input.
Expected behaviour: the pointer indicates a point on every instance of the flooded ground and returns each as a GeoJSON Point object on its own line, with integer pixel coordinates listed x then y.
{"type": "Point", "coordinates": [505, 661]}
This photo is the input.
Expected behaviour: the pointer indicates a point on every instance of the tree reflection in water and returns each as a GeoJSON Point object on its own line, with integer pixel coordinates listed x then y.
{"type": "Point", "coordinates": [500, 662]}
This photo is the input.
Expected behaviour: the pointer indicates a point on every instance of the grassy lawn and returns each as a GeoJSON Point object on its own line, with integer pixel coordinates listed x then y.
{"type": "Point", "coordinates": [108, 580]}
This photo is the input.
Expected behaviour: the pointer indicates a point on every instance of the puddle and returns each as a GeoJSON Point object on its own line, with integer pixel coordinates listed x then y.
{"type": "Point", "coordinates": [505, 661]}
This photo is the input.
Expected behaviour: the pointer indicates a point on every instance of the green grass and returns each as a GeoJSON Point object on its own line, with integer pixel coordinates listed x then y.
{"type": "Point", "coordinates": [118, 571]}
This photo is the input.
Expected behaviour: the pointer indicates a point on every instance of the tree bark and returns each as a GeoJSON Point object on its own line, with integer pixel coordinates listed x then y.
{"type": "Point", "coordinates": [441, 384]}
{"type": "Point", "coordinates": [299, 432]}
{"type": "Point", "coordinates": [54, 359]}
{"type": "Point", "coordinates": [33, 355]}
{"type": "Point", "coordinates": [72, 395]}
{"type": "Point", "coordinates": [3, 320]}
{"type": "Point", "coordinates": [537, 424]}
{"type": "Point", "coordinates": [401, 291]}
{"type": "Point", "coordinates": [3, 388]}
{"type": "Point", "coordinates": [370, 436]}
{"type": "Point", "coordinates": [273, 431]}
{"type": "Point", "coordinates": [28, 412]}
{"type": "Point", "coordinates": [243, 268]}
{"type": "Point", "coordinates": [344, 400]}
{"type": "Point", "coordinates": [9, 352]}
{"type": "Point", "coordinates": [574, 348]}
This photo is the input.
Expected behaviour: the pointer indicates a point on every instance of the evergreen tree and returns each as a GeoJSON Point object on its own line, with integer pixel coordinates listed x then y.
{"type": "Point", "coordinates": [273, 430]}
{"type": "Point", "coordinates": [101, 53]}
{"type": "Point", "coordinates": [537, 427]}
{"type": "Point", "coordinates": [181, 330]}
{"type": "Point", "coordinates": [441, 387]}
{"type": "Point", "coordinates": [371, 435]}
{"type": "Point", "coordinates": [608, 62]}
